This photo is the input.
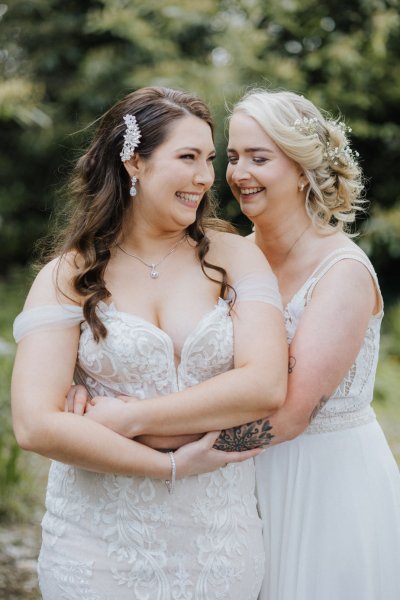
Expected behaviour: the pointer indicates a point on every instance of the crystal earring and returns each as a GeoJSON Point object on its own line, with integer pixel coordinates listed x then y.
{"type": "Point", "coordinates": [132, 191]}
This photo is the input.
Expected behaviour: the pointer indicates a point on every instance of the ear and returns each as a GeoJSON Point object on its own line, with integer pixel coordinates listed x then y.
{"type": "Point", "coordinates": [302, 182]}
{"type": "Point", "coordinates": [134, 165]}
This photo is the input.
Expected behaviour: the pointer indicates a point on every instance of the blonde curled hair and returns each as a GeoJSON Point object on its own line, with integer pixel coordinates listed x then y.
{"type": "Point", "coordinates": [320, 147]}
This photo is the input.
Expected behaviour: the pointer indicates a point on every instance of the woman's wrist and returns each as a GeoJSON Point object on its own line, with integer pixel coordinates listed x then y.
{"type": "Point", "coordinates": [136, 419]}
{"type": "Point", "coordinates": [160, 466]}
{"type": "Point", "coordinates": [170, 483]}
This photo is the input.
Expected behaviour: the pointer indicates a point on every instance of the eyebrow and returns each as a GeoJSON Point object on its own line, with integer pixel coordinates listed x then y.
{"type": "Point", "coordinates": [255, 149]}
{"type": "Point", "coordinates": [197, 150]}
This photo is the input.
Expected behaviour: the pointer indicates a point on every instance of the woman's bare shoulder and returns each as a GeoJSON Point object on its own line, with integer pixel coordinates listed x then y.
{"type": "Point", "coordinates": [239, 255]}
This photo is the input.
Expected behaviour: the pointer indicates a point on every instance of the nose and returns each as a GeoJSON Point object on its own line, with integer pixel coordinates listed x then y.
{"type": "Point", "coordinates": [205, 175]}
{"type": "Point", "coordinates": [237, 172]}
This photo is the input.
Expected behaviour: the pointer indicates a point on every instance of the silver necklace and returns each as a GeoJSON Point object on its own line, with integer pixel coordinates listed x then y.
{"type": "Point", "coordinates": [154, 274]}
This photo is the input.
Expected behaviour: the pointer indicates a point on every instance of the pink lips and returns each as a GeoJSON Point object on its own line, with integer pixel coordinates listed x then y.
{"type": "Point", "coordinates": [250, 194]}
{"type": "Point", "coordinates": [190, 200]}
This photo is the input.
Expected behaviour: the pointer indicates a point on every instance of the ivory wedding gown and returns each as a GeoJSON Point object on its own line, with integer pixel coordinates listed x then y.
{"type": "Point", "coordinates": [108, 537]}
{"type": "Point", "coordinates": [330, 499]}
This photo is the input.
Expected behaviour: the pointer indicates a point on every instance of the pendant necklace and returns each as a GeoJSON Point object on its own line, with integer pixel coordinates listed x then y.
{"type": "Point", "coordinates": [154, 274]}
{"type": "Point", "coordinates": [295, 242]}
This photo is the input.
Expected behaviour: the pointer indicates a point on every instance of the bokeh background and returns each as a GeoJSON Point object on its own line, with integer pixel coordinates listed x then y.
{"type": "Point", "coordinates": [63, 63]}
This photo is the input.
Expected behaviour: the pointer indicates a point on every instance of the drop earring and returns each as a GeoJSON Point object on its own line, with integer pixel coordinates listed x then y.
{"type": "Point", "coordinates": [132, 191]}
{"type": "Point", "coordinates": [301, 187]}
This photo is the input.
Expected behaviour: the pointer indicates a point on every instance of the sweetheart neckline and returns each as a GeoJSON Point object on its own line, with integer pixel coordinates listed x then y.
{"type": "Point", "coordinates": [221, 303]}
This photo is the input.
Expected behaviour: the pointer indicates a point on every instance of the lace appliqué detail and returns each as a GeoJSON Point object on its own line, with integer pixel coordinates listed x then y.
{"type": "Point", "coordinates": [199, 544]}
{"type": "Point", "coordinates": [73, 580]}
{"type": "Point", "coordinates": [225, 514]}
{"type": "Point", "coordinates": [65, 502]}
{"type": "Point", "coordinates": [131, 517]}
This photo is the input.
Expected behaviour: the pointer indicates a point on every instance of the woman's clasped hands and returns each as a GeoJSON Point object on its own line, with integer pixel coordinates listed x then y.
{"type": "Point", "coordinates": [116, 413]}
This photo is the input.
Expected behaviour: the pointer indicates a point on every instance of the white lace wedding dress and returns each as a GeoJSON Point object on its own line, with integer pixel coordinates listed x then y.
{"type": "Point", "coordinates": [109, 537]}
{"type": "Point", "coordinates": [330, 499]}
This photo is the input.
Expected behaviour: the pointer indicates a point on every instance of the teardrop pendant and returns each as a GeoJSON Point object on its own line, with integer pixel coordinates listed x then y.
{"type": "Point", "coordinates": [153, 273]}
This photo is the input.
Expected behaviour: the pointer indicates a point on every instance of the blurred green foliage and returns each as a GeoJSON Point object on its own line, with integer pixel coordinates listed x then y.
{"type": "Point", "coordinates": [63, 63]}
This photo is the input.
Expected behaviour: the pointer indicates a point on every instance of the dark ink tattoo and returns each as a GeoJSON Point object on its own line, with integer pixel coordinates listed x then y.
{"type": "Point", "coordinates": [246, 437]}
{"type": "Point", "coordinates": [292, 364]}
{"type": "Point", "coordinates": [319, 407]}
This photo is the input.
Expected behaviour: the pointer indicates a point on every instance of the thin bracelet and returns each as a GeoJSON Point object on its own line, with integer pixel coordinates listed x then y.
{"type": "Point", "coordinates": [170, 483]}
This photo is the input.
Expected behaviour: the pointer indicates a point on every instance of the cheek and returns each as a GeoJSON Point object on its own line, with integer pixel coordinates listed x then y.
{"type": "Point", "coordinates": [229, 173]}
{"type": "Point", "coordinates": [212, 176]}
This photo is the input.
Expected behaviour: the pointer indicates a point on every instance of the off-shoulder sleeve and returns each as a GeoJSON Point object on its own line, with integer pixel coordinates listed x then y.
{"type": "Point", "coordinates": [40, 318]}
{"type": "Point", "coordinates": [258, 287]}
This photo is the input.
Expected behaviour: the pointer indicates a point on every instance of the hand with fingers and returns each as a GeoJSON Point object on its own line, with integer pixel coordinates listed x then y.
{"type": "Point", "coordinates": [110, 411]}
{"type": "Point", "coordinates": [77, 400]}
{"type": "Point", "coordinates": [201, 456]}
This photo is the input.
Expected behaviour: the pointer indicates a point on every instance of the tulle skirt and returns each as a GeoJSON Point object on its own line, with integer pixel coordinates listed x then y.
{"type": "Point", "coordinates": [330, 504]}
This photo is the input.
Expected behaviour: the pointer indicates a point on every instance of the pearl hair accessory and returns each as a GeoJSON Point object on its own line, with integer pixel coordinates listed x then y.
{"type": "Point", "coordinates": [132, 137]}
{"type": "Point", "coordinates": [345, 155]}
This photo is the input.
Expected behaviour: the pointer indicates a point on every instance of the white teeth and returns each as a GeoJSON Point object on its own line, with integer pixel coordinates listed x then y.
{"type": "Point", "coordinates": [247, 191]}
{"type": "Point", "coordinates": [188, 197]}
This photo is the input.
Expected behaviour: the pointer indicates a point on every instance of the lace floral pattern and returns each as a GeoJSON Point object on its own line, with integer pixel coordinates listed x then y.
{"type": "Point", "coordinates": [108, 536]}
{"type": "Point", "coordinates": [73, 578]}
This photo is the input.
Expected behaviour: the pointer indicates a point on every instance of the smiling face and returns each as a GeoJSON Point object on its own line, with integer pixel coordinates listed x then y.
{"type": "Point", "coordinates": [259, 174]}
{"type": "Point", "coordinates": [173, 181]}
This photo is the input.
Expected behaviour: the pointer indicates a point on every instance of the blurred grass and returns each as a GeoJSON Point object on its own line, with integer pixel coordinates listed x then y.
{"type": "Point", "coordinates": [23, 475]}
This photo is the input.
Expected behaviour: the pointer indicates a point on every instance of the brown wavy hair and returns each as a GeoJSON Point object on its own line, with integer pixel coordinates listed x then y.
{"type": "Point", "coordinates": [99, 198]}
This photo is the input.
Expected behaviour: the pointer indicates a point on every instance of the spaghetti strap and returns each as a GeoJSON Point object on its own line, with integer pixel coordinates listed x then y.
{"type": "Point", "coordinates": [345, 253]}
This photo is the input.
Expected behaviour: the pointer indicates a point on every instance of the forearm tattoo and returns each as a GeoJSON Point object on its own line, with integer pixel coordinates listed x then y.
{"type": "Point", "coordinates": [292, 364]}
{"type": "Point", "coordinates": [245, 437]}
{"type": "Point", "coordinates": [319, 407]}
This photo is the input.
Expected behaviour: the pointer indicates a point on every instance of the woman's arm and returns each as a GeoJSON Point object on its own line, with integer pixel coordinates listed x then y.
{"type": "Point", "coordinates": [41, 378]}
{"type": "Point", "coordinates": [327, 341]}
{"type": "Point", "coordinates": [255, 387]}
{"type": "Point", "coordinates": [42, 374]}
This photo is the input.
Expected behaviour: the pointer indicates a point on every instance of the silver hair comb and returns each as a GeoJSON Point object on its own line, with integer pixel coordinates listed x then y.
{"type": "Point", "coordinates": [132, 137]}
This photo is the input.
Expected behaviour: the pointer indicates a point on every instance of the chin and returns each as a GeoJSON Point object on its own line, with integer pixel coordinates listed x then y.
{"type": "Point", "coordinates": [248, 210]}
{"type": "Point", "coordinates": [185, 222]}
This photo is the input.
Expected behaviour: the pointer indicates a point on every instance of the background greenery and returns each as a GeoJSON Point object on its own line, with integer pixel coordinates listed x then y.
{"type": "Point", "coordinates": [62, 63]}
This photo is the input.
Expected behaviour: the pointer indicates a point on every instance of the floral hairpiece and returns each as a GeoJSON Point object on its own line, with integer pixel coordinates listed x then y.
{"type": "Point", "coordinates": [132, 137]}
{"type": "Point", "coordinates": [334, 154]}
{"type": "Point", "coordinates": [306, 126]}
{"type": "Point", "coordinates": [345, 155]}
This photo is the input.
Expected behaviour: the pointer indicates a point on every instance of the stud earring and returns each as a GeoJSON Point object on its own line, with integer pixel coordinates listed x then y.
{"type": "Point", "coordinates": [301, 187]}
{"type": "Point", "coordinates": [132, 191]}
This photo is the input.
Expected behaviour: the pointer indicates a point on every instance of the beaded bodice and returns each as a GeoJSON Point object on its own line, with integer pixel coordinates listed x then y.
{"type": "Point", "coordinates": [349, 405]}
